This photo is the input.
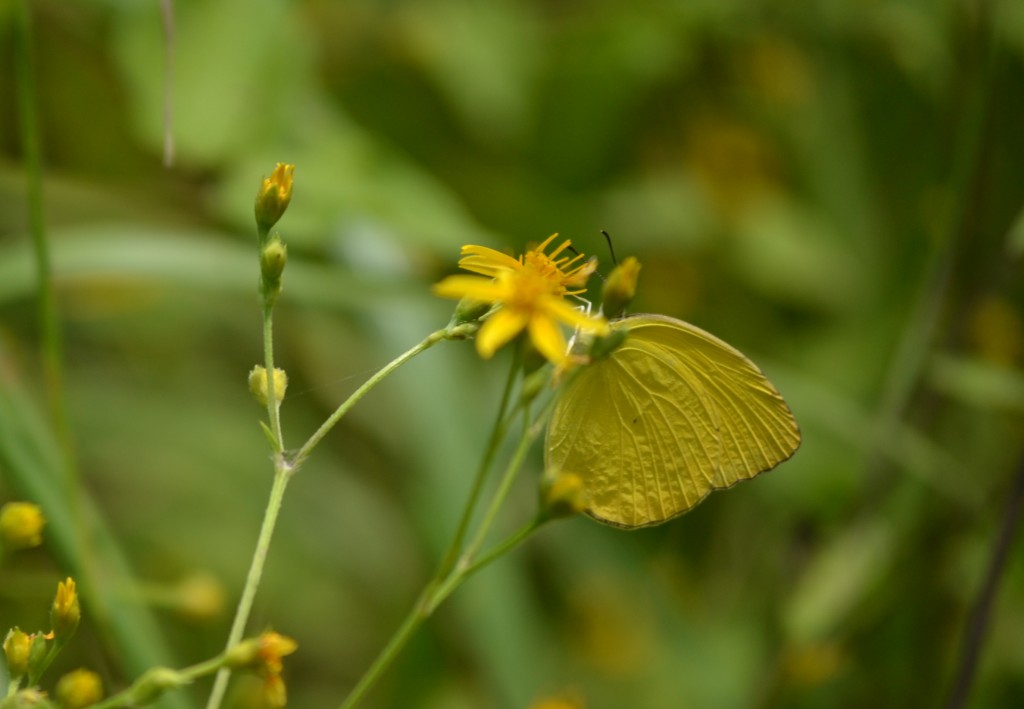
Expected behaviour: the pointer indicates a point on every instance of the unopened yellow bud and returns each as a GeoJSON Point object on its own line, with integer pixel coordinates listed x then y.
{"type": "Point", "coordinates": [16, 649]}
{"type": "Point", "coordinates": [79, 689]}
{"type": "Point", "coordinates": [21, 525]}
{"type": "Point", "coordinates": [273, 197]}
{"type": "Point", "coordinates": [274, 646]}
{"type": "Point", "coordinates": [263, 653]}
{"type": "Point", "coordinates": [201, 597]}
{"type": "Point", "coordinates": [561, 495]}
{"type": "Point", "coordinates": [620, 287]}
{"type": "Point", "coordinates": [258, 384]}
{"type": "Point", "coordinates": [66, 611]}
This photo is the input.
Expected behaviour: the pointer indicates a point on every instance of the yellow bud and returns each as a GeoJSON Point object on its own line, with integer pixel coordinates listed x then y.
{"type": "Point", "coordinates": [201, 597]}
{"type": "Point", "coordinates": [16, 649]}
{"type": "Point", "coordinates": [66, 611]}
{"type": "Point", "coordinates": [274, 646]}
{"type": "Point", "coordinates": [258, 384]}
{"type": "Point", "coordinates": [79, 689]}
{"type": "Point", "coordinates": [273, 197]}
{"type": "Point", "coordinates": [561, 495]}
{"type": "Point", "coordinates": [21, 525]}
{"type": "Point", "coordinates": [620, 287]}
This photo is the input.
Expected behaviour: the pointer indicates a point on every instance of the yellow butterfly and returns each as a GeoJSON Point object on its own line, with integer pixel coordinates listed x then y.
{"type": "Point", "coordinates": [668, 416]}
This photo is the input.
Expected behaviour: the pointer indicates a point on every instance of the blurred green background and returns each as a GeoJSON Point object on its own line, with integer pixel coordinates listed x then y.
{"type": "Point", "coordinates": [834, 187]}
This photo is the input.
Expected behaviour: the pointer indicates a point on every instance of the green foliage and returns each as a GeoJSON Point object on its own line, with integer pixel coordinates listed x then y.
{"type": "Point", "coordinates": [832, 187]}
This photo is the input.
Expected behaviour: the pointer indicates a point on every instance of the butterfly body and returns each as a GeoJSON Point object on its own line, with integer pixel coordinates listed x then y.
{"type": "Point", "coordinates": [670, 415]}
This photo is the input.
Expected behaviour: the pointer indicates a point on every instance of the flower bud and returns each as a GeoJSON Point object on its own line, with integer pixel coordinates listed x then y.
{"type": "Point", "coordinates": [244, 654]}
{"type": "Point", "coordinates": [273, 258]}
{"type": "Point", "coordinates": [273, 197]}
{"type": "Point", "coordinates": [16, 649]}
{"type": "Point", "coordinates": [274, 646]}
{"type": "Point", "coordinates": [603, 346]}
{"type": "Point", "coordinates": [263, 653]}
{"type": "Point", "coordinates": [66, 611]}
{"type": "Point", "coordinates": [259, 387]}
{"type": "Point", "coordinates": [620, 287]}
{"type": "Point", "coordinates": [561, 495]}
{"type": "Point", "coordinates": [154, 684]}
{"type": "Point", "coordinates": [38, 655]}
{"type": "Point", "coordinates": [79, 689]}
{"type": "Point", "coordinates": [31, 697]}
{"type": "Point", "coordinates": [469, 310]}
{"type": "Point", "coordinates": [201, 597]}
{"type": "Point", "coordinates": [21, 525]}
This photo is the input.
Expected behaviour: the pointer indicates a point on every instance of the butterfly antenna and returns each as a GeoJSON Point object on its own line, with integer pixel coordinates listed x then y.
{"type": "Point", "coordinates": [611, 247]}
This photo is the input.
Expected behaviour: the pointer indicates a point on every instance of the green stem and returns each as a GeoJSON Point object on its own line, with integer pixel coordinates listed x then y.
{"type": "Point", "coordinates": [283, 470]}
{"type": "Point", "coordinates": [128, 698]}
{"type": "Point", "coordinates": [428, 342]}
{"type": "Point", "coordinates": [497, 435]}
{"type": "Point", "coordinates": [273, 405]}
{"type": "Point", "coordinates": [433, 595]}
{"type": "Point", "coordinates": [398, 641]}
{"type": "Point", "coordinates": [282, 475]}
{"type": "Point", "coordinates": [446, 588]}
{"type": "Point", "coordinates": [49, 322]}
{"type": "Point", "coordinates": [445, 581]}
{"type": "Point", "coordinates": [503, 489]}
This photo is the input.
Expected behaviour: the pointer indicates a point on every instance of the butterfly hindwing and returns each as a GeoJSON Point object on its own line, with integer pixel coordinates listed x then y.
{"type": "Point", "coordinates": [666, 418]}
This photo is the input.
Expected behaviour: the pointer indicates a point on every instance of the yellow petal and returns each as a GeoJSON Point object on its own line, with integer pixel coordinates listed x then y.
{"type": "Point", "coordinates": [498, 329]}
{"type": "Point", "coordinates": [475, 287]}
{"type": "Point", "coordinates": [548, 338]}
{"type": "Point", "coordinates": [486, 261]}
{"type": "Point", "coordinates": [559, 309]}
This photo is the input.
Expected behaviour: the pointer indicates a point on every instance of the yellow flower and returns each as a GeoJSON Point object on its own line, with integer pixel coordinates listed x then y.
{"type": "Point", "coordinates": [559, 272]}
{"type": "Point", "coordinates": [530, 291]}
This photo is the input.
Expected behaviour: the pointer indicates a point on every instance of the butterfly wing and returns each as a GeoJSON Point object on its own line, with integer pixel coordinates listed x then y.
{"type": "Point", "coordinates": [666, 418]}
